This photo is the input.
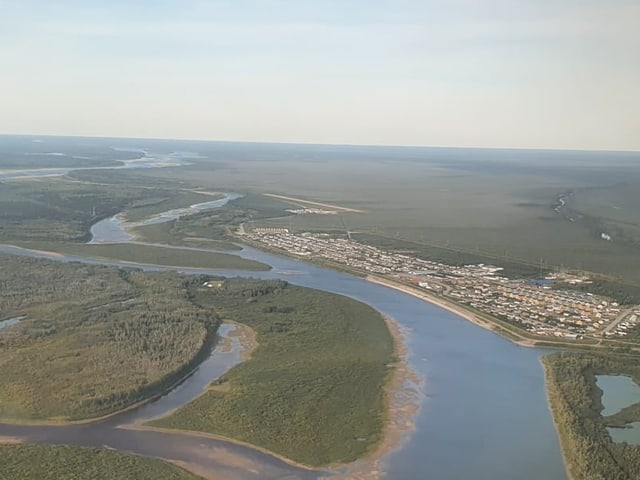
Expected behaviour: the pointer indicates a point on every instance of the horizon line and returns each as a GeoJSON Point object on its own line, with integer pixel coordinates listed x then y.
{"type": "Point", "coordinates": [365, 145]}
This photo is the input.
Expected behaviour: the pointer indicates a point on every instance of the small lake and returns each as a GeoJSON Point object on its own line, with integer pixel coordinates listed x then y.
{"type": "Point", "coordinates": [10, 321]}
{"type": "Point", "coordinates": [630, 434]}
{"type": "Point", "coordinates": [618, 392]}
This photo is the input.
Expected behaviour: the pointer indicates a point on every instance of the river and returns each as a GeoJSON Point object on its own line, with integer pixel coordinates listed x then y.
{"type": "Point", "coordinates": [145, 160]}
{"type": "Point", "coordinates": [484, 412]}
{"type": "Point", "coordinates": [483, 415]}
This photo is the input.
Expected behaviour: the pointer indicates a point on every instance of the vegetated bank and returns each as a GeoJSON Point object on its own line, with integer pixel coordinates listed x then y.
{"type": "Point", "coordinates": [151, 255]}
{"type": "Point", "coordinates": [313, 391]}
{"type": "Point", "coordinates": [575, 401]}
{"type": "Point", "coordinates": [63, 210]}
{"type": "Point", "coordinates": [28, 462]}
{"type": "Point", "coordinates": [95, 339]}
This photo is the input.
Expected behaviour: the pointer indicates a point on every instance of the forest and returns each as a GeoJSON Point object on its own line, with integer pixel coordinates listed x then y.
{"type": "Point", "coordinates": [93, 339]}
{"type": "Point", "coordinates": [313, 390]}
{"type": "Point", "coordinates": [63, 209]}
{"type": "Point", "coordinates": [576, 404]}
{"type": "Point", "coordinates": [29, 462]}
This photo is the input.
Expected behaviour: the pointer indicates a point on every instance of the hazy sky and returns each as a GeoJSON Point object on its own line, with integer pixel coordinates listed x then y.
{"type": "Point", "coordinates": [522, 73]}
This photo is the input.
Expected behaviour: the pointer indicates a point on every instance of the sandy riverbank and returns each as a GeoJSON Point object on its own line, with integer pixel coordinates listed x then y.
{"type": "Point", "coordinates": [402, 398]}
{"type": "Point", "coordinates": [548, 388]}
{"type": "Point", "coordinates": [245, 336]}
{"type": "Point", "coordinates": [450, 307]}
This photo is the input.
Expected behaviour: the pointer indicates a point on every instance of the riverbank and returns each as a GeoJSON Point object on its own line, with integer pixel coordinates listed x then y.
{"type": "Point", "coordinates": [453, 308]}
{"type": "Point", "coordinates": [219, 343]}
{"type": "Point", "coordinates": [551, 392]}
{"type": "Point", "coordinates": [314, 391]}
{"type": "Point", "coordinates": [402, 397]}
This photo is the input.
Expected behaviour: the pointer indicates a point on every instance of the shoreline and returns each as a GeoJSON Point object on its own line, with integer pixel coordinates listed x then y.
{"type": "Point", "coordinates": [556, 425]}
{"type": "Point", "coordinates": [469, 316]}
{"type": "Point", "coordinates": [402, 403]}
{"type": "Point", "coordinates": [218, 340]}
{"type": "Point", "coordinates": [450, 307]}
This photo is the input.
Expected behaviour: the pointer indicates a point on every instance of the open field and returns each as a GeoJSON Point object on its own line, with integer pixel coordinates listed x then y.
{"type": "Point", "coordinates": [575, 402]}
{"type": "Point", "coordinates": [94, 339]}
{"type": "Point", "coordinates": [313, 389]}
{"type": "Point", "coordinates": [151, 254]}
{"type": "Point", "coordinates": [493, 202]}
{"type": "Point", "coordinates": [29, 462]}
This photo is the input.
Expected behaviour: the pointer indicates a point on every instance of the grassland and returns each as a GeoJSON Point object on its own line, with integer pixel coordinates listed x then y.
{"type": "Point", "coordinates": [576, 405]}
{"type": "Point", "coordinates": [95, 339]}
{"type": "Point", "coordinates": [189, 232]}
{"type": "Point", "coordinates": [313, 389]}
{"type": "Point", "coordinates": [29, 462]}
{"type": "Point", "coordinates": [151, 254]}
{"type": "Point", "coordinates": [497, 203]}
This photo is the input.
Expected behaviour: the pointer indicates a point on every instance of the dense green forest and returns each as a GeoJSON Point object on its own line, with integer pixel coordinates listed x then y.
{"type": "Point", "coordinates": [313, 389]}
{"type": "Point", "coordinates": [63, 210]}
{"type": "Point", "coordinates": [30, 462]}
{"type": "Point", "coordinates": [94, 339]}
{"type": "Point", "coordinates": [576, 404]}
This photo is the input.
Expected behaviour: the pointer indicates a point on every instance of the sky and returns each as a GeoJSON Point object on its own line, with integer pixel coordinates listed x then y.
{"type": "Point", "coordinates": [490, 73]}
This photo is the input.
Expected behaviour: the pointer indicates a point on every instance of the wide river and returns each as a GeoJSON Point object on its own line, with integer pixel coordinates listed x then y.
{"type": "Point", "coordinates": [484, 413]}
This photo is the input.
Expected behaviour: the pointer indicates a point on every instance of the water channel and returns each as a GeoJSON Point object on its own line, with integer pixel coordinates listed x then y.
{"type": "Point", "coordinates": [10, 321]}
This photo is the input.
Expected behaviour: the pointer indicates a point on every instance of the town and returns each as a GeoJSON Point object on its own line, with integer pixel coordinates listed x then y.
{"type": "Point", "coordinates": [533, 305]}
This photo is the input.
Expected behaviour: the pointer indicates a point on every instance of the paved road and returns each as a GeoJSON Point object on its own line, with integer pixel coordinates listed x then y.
{"type": "Point", "coordinates": [618, 319]}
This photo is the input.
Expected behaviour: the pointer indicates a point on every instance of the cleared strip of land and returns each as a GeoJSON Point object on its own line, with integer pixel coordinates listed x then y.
{"type": "Point", "coordinates": [317, 204]}
{"type": "Point", "coordinates": [151, 255]}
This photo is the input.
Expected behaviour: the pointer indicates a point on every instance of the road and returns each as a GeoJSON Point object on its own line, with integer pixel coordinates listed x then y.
{"type": "Point", "coordinates": [624, 314]}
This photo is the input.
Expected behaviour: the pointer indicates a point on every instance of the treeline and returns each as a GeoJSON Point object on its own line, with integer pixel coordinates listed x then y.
{"type": "Point", "coordinates": [95, 338]}
{"type": "Point", "coordinates": [59, 210]}
{"type": "Point", "coordinates": [576, 404]}
{"type": "Point", "coordinates": [28, 462]}
{"type": "Point", "coordinates": [622, 293]}
{"type": "Point", "coordinates": [249, 288]}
